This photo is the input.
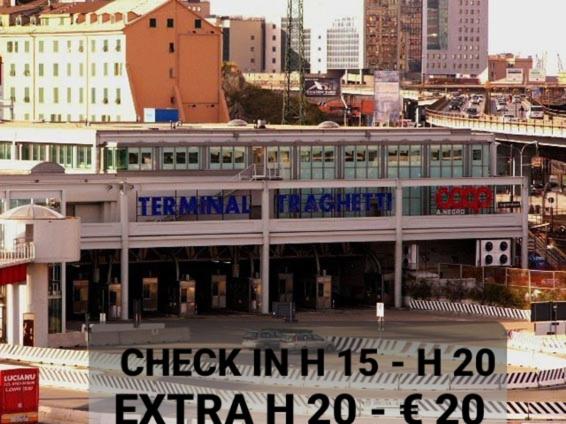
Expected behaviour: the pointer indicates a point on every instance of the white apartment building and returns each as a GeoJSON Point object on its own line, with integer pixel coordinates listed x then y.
{"type": "Point", "coordinates": [455, 37]}
{"type": "Point", "coordinates": [345, 43]}
{"type": "Point", "coordinates": [56, 77]}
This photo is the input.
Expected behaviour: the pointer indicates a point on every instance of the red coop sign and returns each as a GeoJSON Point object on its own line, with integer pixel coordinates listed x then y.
{"type": "Point", "coordinates": [459, 200]}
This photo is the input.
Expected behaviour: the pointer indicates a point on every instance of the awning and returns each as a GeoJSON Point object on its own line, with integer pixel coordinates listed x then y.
{"type": "Point", "coordinates": [13, 275]}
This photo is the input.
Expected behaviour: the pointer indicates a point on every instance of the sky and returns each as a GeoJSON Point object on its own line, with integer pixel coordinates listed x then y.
{"type": "Point", "coordinates": [527, 27]}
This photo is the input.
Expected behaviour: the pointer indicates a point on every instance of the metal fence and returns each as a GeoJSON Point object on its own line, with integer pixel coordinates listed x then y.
{"type": "Point", "coordinates": [510, 277]}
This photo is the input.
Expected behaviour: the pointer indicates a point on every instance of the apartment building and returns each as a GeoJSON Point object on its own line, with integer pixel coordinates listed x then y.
{"type": "Point", "coordinates": [456, 34]}
{"type": "Point", "coordinates": [88, 61]}
{"type": "Point", "coordinates": [394, 36]}
{"type": "Point", "coordinates": [251, 43]}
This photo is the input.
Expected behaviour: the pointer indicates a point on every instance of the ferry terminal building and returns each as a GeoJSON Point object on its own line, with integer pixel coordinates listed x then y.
{"type": "Point", "coordinates": [196, 219]}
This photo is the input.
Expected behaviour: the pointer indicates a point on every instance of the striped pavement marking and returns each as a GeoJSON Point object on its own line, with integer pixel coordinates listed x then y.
{"type": "Point", "coordinates": [334, 379]}
{"type": "Point", "coordinates": [108, 384]}
{"type": "Point", "coordinates": [470, 309]}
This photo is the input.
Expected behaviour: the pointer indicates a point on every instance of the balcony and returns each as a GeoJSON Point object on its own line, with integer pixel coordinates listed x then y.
{"type": "Point", "coordinates": [21, 254]}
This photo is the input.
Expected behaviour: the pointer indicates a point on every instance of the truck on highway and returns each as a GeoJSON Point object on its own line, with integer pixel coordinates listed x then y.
{"type": "Point", "coordinates": [535, 112]}
{"type": "Point", "coordinates": [19, 394]}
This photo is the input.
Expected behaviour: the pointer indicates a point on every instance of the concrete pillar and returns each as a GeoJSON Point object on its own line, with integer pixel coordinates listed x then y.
{"type": "Point", "coordinates": [13, 315]}
{"type": "Point", "coordinates": [525, 222]}
{"type": "Point", "coordinates": [398, 282]}
{"type": "Point", "coordinates": [63, 297]}
{"type": "Point", "coordinates": [264, 263]}
{"type": "Point", "coordinates": [124, 253]}
{"type": "Point", "coordinates": [63, 273]}
{"type": "Point", "coordinates": [37, 301]}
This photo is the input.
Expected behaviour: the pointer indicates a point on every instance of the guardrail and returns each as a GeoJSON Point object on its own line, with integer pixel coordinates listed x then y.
{"type": "Point", "coordinates": [22, 253]}
{"type": "Point", "coordinates": [496, 125]}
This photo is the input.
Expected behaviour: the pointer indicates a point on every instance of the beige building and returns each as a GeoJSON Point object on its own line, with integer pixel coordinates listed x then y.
{"type": "Point", "coordinates": [243, 42]}
{"type": "Point", "coordinates": [103, 61]}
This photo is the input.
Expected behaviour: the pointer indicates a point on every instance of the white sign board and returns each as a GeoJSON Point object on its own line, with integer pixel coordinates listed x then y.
{"type": "Point", "coordinates": [387, 95]}
{"type": "Point", "coordinates": [148, 115]}
{"type": "Point", "coordinates": [380, 310]}
{"type": "Point", "coordinates": [537, 75]}
{"type": "Point", "coordinates": [514, 75]}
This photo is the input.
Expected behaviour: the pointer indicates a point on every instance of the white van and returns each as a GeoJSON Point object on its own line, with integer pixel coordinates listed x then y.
{"type": "Point", "coordinates": [535, 112]}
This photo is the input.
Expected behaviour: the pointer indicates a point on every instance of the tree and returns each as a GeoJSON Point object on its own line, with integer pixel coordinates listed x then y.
{"type": "Point", "coordinates": [250, 103]}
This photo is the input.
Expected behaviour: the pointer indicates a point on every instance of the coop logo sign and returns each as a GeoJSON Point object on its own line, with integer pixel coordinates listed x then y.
{"type": "Point", "coordinates": [458, 200]}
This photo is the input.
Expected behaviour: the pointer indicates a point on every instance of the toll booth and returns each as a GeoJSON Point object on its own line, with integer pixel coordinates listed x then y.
{"type": "Point", "coordinates": [255, 295]}
{"type": "Point", "coordinates": [29, 329]}
{"type": "Point", "coordinates": [285, 287]}
{"type": "Point", "coordinates": [150, 285]}
{"type": "Point", "coordinates": [323, 292]}
{"type": "Point", "coordinates": [218, 290]}
{"type": "Point", "coordinates": [115, 301]}
{"type": "Point", "coordinates": [80, 297]}
{"type": "Point", "coordinates": [187, 297]}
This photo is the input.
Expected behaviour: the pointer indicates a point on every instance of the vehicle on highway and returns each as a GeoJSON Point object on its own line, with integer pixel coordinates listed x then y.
{"type": "Point", "coordinates": [517, 99]}
{"type": "Point", "coordinates": [309, 341]}
{"type": "Point", "coordinates": [476, 100]}
{"type": "Point", "coordinates": [472, 113]}
{"type": "Point", "coordinates": [536, 189]}
{"type": "Point", "coordinates": [509, 117]}
{"type": "Point", "coordinates": [501, 107]}
{"type": "Point", "coordinates": [535, 112]}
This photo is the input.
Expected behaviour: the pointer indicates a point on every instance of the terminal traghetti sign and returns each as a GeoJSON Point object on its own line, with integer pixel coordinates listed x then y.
{"type": "Point", "coordinates": [193, 205]}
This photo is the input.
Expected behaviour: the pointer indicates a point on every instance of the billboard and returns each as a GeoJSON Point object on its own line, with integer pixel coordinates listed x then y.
{"type": "Point", "coordinates": [514, 75]}
{"type": "Point", "coordinates": [537, 75]}
{"type": "Point", "coordinates": [322, 87]}
{"type": "Point", "coordinates": [387, 92]}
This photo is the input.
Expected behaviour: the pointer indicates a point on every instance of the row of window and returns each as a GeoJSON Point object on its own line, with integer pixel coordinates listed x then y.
{"type": "Point", "coordinates": [313, 162]}
{"type": "Point", "coordinates": [71, 45]}
{"type": "Point", "coordinates": [58, 117]}
{"type": "Point", "coordinates": [66, 155]}
{"type": "Point", "coordinates": [170, 23]}
{"type": "Point", "coordinates": [96, 69]}
{"type": "Point", "coordinates": [104, 95]}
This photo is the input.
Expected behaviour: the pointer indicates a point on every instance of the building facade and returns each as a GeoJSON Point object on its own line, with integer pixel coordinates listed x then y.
{"type": "Point", "coordinates": [394, 36]}
{"type": "Point", "coordinates": [81, 62]}
{"type": "Point", "coordinates": [456, 38]}
{"type": "Point", "coordinates": [345, 47]}
{"type": "Point", "coordinates": [273, 48]}
{"type": "Point", "coordinates": [498, 65]}
{"type": "Point", "coordinates": [246, 217]}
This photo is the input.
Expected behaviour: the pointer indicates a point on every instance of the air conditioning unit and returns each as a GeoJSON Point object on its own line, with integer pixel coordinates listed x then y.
{"type": "Point", "coordinates": [494, 253]}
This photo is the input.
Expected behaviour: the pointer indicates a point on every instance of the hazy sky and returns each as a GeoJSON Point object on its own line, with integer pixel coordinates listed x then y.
{"type": "Point", "coordinates": [527, 27]}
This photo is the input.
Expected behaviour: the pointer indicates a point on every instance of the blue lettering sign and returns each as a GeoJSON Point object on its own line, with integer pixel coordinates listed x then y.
{"type": "Point", "coordinates": [143, 205]}
{"type": "Point", "coordinates": [285, 203]}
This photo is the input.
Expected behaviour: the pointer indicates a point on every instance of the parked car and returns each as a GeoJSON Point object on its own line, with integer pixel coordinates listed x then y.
{"type": "Point", "coordinates": [262, 339]}
{"type": "Point", "coordinates": [310, 341]}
